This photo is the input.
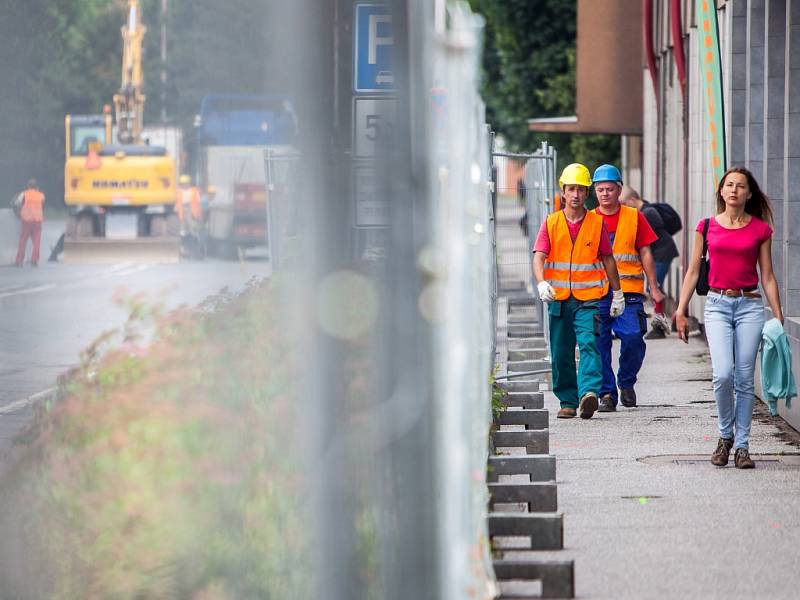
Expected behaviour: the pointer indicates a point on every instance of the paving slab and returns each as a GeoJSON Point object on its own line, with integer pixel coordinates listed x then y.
{"type": "Point", "coordinates": [647, 516]}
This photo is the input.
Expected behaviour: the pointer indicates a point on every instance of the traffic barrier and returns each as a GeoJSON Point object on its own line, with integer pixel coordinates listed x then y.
{"type": "Point", "coordinates": [539, 496]}
{"type": "Point", "coordinates": [556, 577]}
{"type": "Point", "coordinates": [524, 399]}
{"type": "Point", "coordinates": [538, 467]}
{"type": "Point", "coordinates": [9, 236]}
{"type": "Point", "coordinates": [528, 354]}
{"type": "Point", "coordinates": [527, 481]}
{"type": "Point", "coordinates": [534, 442]}
{"type": "Point", "coordinates": [544, 531]}
{"type": "Point", "coordinates": [530, 419]}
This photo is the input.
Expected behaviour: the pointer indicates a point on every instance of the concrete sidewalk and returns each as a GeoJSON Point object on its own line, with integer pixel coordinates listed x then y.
{"type": "Point", "coordinates": [648, 516]}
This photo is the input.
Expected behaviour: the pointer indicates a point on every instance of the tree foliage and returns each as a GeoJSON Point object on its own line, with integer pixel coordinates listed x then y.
{"type": "Point", "coordinates": [529, 72]}
{"type": "Point", "coordinates": [57, 61]}
{"type": "Point", "coordinates": [65, 58]}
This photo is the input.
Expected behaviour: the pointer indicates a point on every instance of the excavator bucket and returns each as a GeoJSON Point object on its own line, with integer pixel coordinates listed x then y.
{"type": "Point", "coordinates": [162, 250]}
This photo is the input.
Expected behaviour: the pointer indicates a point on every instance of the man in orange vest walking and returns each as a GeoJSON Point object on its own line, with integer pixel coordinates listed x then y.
{"type": "Point", "coordinates": [32, 215]}
{"type": "Point", "coordinates": [188, 203]}
{"type": "Point", "coordinates": [573, 265]}
{"type": "Point", "coordinates": [189, 208]}
{"type": "Point", "coordinates": [631, 236]}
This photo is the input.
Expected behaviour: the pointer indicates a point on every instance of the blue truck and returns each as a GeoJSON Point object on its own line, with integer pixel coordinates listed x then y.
{"type": "Point", "coordinates": [245, 150]}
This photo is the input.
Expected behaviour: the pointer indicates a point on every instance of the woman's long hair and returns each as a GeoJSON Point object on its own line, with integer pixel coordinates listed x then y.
{"type": "Point", "coordinates": [758, 203]}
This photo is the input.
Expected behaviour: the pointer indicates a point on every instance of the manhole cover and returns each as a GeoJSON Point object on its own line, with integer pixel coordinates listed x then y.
{"type": "Point", "coordinates": [791, 461]}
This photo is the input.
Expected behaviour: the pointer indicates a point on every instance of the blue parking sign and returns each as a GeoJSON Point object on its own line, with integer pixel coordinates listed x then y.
{"type": "Point", "coordinates": [373, 48]}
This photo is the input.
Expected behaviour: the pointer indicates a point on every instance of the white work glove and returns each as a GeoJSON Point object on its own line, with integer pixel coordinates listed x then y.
{"type": "Point", "coordinates": [546, 292]}
{"type": "Point", "coordinates": [617, 303]}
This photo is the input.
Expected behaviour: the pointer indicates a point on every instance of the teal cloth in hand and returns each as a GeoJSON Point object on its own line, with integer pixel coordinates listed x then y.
{"type": "Point", "coordinates": [777, 379]}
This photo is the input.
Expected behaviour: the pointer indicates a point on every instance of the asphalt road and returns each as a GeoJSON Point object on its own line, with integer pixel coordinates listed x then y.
{"type": "Point", "coordinates": [49, 314]}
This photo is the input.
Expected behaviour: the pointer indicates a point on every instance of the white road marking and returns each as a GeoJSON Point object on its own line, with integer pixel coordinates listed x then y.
{"type": "Point", "coordinates": [11, 288]}
{"type": "Point", "coordinates": [33, 290]}
{"type": "Point", "coordinates": [29, 401]}
{"type": "Point", "coordinates": [134, 269]}
{"type": "Point", "coordinates": [120, 266]}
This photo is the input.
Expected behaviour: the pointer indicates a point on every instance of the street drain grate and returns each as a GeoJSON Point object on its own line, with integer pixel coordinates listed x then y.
{"type": "Point", "coordinates": [770, 461]}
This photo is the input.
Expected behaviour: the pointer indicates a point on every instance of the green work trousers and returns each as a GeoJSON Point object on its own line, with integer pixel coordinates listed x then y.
{"type": "Point", "coordinates": [571, 322]}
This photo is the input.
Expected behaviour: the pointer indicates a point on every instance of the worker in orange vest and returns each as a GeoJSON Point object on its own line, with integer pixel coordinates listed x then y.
{"type": "Point", "coordinates": [32, 215]}
{"type": "Point", "coordinates": [573, 264]}
{"type": "Point", "coordinates": [631, 236]}
{"type": "Point", "coordinates": [187, 204]}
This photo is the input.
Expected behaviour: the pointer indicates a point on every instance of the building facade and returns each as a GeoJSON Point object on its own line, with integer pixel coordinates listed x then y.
{"type": "Point", "coordinates": [759, 47]}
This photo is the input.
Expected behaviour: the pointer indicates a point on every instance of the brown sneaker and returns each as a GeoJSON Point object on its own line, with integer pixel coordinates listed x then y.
{"type": "Point", "coordinates": [742, 460]}
{"type": "Point", "coordinates": [588, 405]}
{"type": "Point", "coordinates": [607, 404]}
{"type": "Point", "coordinates": [566, 413]}
{"type": "Point", "coordinates": [722, 453]}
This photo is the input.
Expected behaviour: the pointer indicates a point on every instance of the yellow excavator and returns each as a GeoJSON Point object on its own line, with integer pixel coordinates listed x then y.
{"type": "Point", "coordinates": [120, 193]}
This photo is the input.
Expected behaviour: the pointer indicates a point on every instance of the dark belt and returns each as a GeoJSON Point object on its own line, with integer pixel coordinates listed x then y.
{"type": "Point", "coordinates": [747, 293]}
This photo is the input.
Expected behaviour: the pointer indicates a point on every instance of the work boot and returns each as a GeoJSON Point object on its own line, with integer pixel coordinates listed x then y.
{"type": "Point", "coordinates": [655, 334]}
{"type": "Point", "coordinates": [588, 405]}
{"type": "Point", "coordinates": [742, 460]}
{"type": "Point", "coordinates": [607, 403]}
{"type": "Point", "coordinates": [660, 321]}
{"type": "Point", "coordinates": [722, 453]}
{"type": "Point", "coordinates": [566, 413]}
{"type": "Point", "coordinates": [628, 398]}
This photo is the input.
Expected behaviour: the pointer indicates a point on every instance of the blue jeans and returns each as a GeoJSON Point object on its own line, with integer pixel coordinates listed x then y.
{"type": "Point", "coordinates": [733, 329]}
{"type": "Point", "coordinates": [630, 328]}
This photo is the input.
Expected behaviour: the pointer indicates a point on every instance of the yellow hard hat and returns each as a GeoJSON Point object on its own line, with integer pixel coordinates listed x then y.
{"type": "Point", "coordinates": [212, 189]}
{"type": "Point", "coordinates": [184, 179]}
{"type": "Point", "coordinates": [575, 174]}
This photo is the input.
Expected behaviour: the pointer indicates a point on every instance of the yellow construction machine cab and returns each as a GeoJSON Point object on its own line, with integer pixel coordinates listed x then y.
{"type": "Point", "coordinates": [99, 173]}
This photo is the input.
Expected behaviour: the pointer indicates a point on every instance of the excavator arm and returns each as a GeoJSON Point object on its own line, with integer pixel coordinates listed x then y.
{"type": "Point", "coordinates": [129, 100]}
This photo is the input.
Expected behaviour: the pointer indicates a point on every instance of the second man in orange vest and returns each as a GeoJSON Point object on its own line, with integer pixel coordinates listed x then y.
{"type": "Point", "coordinates": [631, 237]}
{"type": "Point", "coordinates": [573, 265]}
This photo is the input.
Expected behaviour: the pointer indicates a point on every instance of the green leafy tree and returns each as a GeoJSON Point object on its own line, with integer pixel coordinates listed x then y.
{"type": "Point", "coordinates": [61, 57]}
{"type": "Point", "coordinates": [529, 72]}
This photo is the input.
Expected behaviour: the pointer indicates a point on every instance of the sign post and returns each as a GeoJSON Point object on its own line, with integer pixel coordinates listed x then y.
{"type": "Point", "coordinates": [373, 108]}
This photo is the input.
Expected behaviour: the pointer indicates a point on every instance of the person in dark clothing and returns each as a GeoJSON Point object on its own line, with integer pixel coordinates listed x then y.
{"type": "Point", "coordinates": [664, 251]}
{"type": "Point", "coordinates": [522, 197]}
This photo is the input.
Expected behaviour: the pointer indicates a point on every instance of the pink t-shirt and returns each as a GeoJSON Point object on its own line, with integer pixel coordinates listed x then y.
{"type": "Point", "coordinates": [543, 238]}
{"type": "Point", "coordinates": [734, 253]}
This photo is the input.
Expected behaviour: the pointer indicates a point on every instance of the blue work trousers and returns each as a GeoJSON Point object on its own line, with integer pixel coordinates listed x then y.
{"type": "Point", "coordinates": [630, 328]}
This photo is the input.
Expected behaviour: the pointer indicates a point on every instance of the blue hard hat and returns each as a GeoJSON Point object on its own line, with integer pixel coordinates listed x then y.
{"type": "Point", "coordinates": [607, 173]}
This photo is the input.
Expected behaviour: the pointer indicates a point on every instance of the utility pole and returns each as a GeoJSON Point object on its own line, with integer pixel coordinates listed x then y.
{"type": "Point", "coordinates": [164, 61]}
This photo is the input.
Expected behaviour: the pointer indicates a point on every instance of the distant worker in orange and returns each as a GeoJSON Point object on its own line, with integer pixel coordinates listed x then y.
{"type": "Point", "coordinates": [32, 215]}
{"type": "Point", "coordinates": [187, 205]}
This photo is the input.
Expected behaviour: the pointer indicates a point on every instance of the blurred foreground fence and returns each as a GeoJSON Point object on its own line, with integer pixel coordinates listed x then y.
{"type": "Point", "coordinates": [326, 434]}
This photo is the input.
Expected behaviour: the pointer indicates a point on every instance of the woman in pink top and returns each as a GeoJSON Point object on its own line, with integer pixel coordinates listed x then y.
{"type": "Point", "coordinates": [739, 238]}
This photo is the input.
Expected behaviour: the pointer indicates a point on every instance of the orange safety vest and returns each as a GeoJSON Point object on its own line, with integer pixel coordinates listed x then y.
{"type": "Point", "coordinates": [629, 263]}
{"type": "Point", "coordinates": [32, 205]}
{"type": "Point", "coordinates": [189, 196]}
{"type": "Point", "coordinates": [574, 268]}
